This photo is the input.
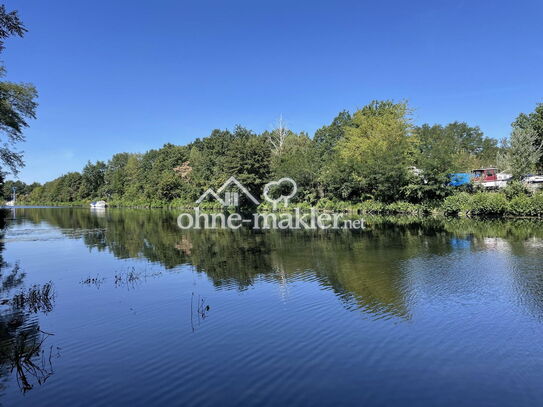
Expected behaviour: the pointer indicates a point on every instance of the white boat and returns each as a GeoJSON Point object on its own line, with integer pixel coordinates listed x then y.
{"type": "Point", "coordinates": [534, 179]}
{"type": "Point", "coordinates": [501, 182]}
{"type": "Point", "coordinates": [98, 204]}
{"type": "Point", "coordinates": [13, 198]}
{"type": "Point", "coordinates": [491, 178]}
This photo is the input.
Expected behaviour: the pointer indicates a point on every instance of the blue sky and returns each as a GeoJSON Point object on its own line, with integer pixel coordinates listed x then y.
{"type": "Point", "coordinates": [118, 76]}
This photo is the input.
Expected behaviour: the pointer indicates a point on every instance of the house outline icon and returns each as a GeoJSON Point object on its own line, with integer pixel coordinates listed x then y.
{"type": "Point", "coordinates": [231, 199]}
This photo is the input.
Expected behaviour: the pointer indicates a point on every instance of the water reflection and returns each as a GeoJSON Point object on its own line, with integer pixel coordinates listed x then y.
{"type": "Point", "coordinates": [369, 270]}
{"type": "Point", "coordinates": [23, 349]}
{"type": "Point", "coordinates": [413, 309]}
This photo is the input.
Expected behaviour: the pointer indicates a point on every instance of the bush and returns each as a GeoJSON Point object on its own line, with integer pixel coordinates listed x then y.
{"type": "Point", "coordinates": [371, 207]}
{"type": "Point", "coordinates": [326, 204]}
{"type": "Point", "coordinates": [303, 206]}
{"type": "Point", "coordinates": [402, 207]}
{"type": "Point", "coordinates": [181, 203]}
{"type": "Point", "coordinates": [488, 204]}
{"type": "Point", "coordinates": [538, 203]}
{"type": "Point", "coordinates": [515, 189]}
{"type": "Point", "coordinates": [522, 205]}
{"type": "Point", "coordinates": [264, 206]}
{"type": "Point", "coordinates": [454, 204]}
{"type": "Point", "coordinates": [210, 205]}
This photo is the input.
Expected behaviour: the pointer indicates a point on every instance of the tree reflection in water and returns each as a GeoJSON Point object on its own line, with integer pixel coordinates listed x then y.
{"type": "Point", "coordinates": [367, 270]}
{"type": "Point", "coordinates": [23, 349]}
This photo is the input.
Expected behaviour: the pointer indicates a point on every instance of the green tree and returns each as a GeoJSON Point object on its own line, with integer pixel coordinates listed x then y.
{"type": "Point", "coordinates": [327, 137]}
{"type": "Point", "coordinates": [380, 146]}
{"type": "Point", "coordinates": [115, 175]}
{"type": "Point", "coordinates": [17, 101]}
{"type": "Point", "coordinates": [339, 180]}
{"type": "Point", "coordinates": [92, 180]}
{"type": "Point", "coordinates": [442, 150]}
{"type": "Point", "coordinates": [299, 161]}
{"type": "Point", "coordinates": [533, 122]}
{"type": "Point", "coordinates": [22, 189]}
{"type": "Point", "coordinates": [206, 157]}
{"type": "Point", "coordinates": [334, 179]}
{"type": "Point", "coordinates": [523, 154]}
{"type": "Point", "coordinates": [132, 171]}
{"type": "Point", "coordinates": [247, 158]}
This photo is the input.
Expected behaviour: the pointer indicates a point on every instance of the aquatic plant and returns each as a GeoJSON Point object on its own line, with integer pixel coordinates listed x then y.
{"type": "Point", "coordinates": [95, 281]}
{"type": "Point", "coordinates": [198, 308]}
{"type": "Point", "coordinates": [35, 299]}
{"type": "Point", "coordinates": [29, 360]}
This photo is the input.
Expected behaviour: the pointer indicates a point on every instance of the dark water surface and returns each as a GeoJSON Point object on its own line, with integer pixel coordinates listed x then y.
{"type": "Point", "coordinates": [410, 312]}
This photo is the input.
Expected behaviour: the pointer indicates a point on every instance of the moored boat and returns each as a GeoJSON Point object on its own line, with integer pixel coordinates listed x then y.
{"type": "Point", "coordinates": [98, 204]}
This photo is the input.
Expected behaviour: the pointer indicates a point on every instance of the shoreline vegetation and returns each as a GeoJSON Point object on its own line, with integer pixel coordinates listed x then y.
{"type": "Point", "coordinates": [372, 161]}
{"type": "Point", "coordinates": [510, 204]}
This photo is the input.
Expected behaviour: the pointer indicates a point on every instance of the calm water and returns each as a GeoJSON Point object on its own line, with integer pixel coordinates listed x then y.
{"type": "Point", "coordinates": [406, 312]}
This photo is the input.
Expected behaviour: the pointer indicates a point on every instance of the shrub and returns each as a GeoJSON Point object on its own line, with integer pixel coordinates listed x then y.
{"type": "Point", "coordinates": [538, 203]}
{"type": "Point", "coordinates": [342, 206]}
{"type": "Point", "coordinates": [304, 206]}
{"type": "Point", "coordinates": [371, 206]}
{"type": "Point", "coordinates": [210, 205]}
{"type": "Point", "coordinates": [402, 207]}
{"type": "Point", "coordinates": [429, 206]}
{"type": "Point", "coordinates": [181, 203]}
{"type": "Point", "coordinates": [264, 206]}
{"type": "Point", "coordinates": [322, 203]}
{"type": "Point", "coordinates": [522, 205]}
{"type": "Point", "coordinates": [488, 204]}
{"type": "Point", "coordinates": [454, 204]}
{"type": "Point", "coordinates": [515, 189]}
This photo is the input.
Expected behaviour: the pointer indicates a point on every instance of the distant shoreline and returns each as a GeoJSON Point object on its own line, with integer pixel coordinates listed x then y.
{"type": "Point", "coordinates": [484, 205]}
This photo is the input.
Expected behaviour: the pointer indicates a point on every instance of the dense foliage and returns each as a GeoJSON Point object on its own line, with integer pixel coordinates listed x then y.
{"type": "Point", "coordinates": [374, 160]}
{"type": "Point", "coordinates": [532, 124]}
{"type": "Point", "coordinates": [367, 155]}
{"type": "Point", "coordinates": [17, 101]}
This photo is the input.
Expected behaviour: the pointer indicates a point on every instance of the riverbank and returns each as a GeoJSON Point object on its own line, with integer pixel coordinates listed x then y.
{"type": "Point", "coordinates": [481, 204]}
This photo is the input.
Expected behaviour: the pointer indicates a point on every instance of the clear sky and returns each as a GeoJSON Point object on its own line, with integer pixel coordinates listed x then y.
{"type": "Point", "coordinates": [118, 76]}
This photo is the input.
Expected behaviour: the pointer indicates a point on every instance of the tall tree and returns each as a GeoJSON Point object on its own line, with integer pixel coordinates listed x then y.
{"type": "Point", "coordinates": [442, 150]}
{"type": "Point", "coordinates": [327, 137]}
{"type": "Point", "coordinates": [114, 177]}
{"type": "Point", "coordinates": [278, 136]}
{"type": "Point", "coordinates": [533, 122]}
{"type": "Point", "coordinates": [17, 101]}
{"type": "Point", "coordinates": [92, 180]}
{"type": "Point", "coordinates": [379, 143]}
{"type": "Point", "coordinates": [300, 162]}
{"type": "Point", "coordinates": [247, 159]}
{"type": "Point", "coordinates": [334, 175]}
{"type": "Point", "coordinates": [523, 154]}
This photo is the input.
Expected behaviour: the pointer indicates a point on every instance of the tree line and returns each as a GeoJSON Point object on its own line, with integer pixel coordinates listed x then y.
{"type": "Point", "coordinates": [375, 153]}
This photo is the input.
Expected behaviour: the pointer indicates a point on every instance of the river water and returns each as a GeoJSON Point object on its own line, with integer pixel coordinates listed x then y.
{"type": "Point", "coordinates": [122, 308]}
